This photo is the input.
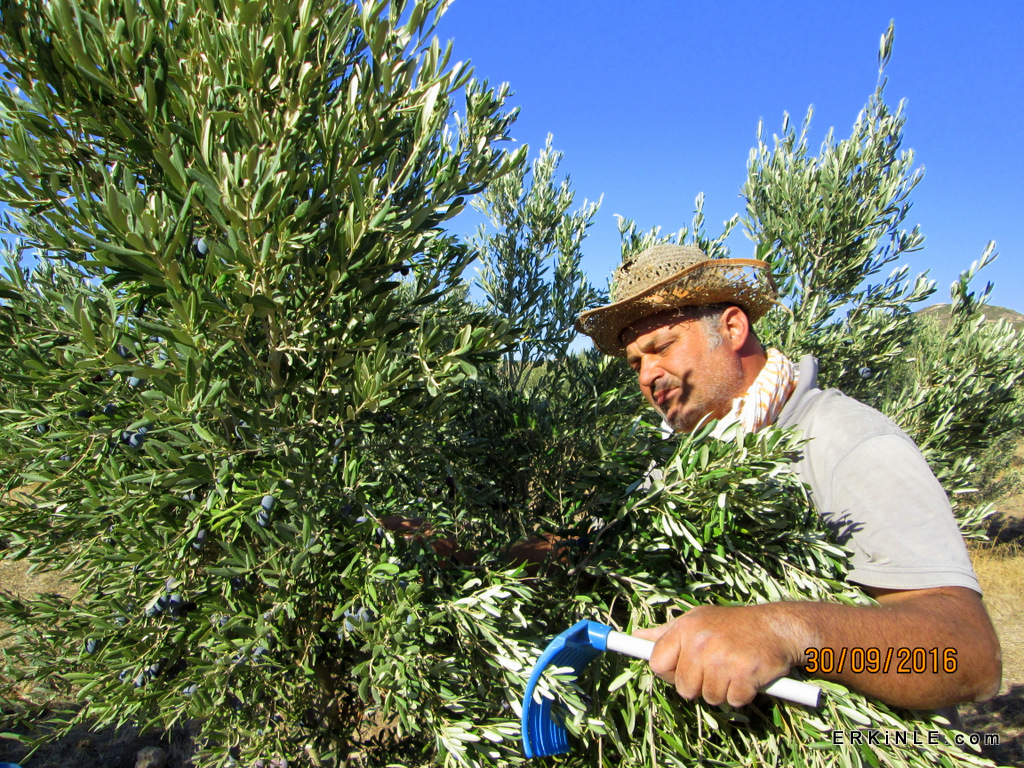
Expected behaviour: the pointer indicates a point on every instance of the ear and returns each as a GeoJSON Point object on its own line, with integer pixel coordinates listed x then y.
{"type": "Point", "coordinates": [735, 327]}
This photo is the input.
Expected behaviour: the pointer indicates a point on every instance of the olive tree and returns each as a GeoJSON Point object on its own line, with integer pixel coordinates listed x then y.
{"type": "Point", "coordinates": [222, 200]}
{"type": "Point", "coordinates": [831, 224]}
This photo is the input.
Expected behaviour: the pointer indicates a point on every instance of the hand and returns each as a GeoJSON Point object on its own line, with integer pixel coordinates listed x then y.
{"type": "Point", "coordinates": [721, 653]}
{"type": "Point", "coordinates": [418, 529]}
{"type": "Point", "coordinates": [532, 552]}
{"type": "Point", "coordinates": [543, 549]}
{"type": "Point", "coordinates": [406, 525]}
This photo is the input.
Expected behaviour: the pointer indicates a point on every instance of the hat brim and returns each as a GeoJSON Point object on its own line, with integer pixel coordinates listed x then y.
{"type": "Point", "coordinates": [744, 282]}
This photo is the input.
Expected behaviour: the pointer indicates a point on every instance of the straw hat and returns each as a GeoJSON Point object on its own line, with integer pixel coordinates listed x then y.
{"type": "Point", "coordinates": [667, 277]}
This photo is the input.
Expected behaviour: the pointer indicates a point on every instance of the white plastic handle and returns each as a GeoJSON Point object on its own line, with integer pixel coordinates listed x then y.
{"type": "Point", "coordinates": [786, 688]}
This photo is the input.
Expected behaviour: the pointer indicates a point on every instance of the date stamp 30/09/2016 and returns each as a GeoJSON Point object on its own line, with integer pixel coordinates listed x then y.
{"type": "Point", "coordinates": [903, 661]}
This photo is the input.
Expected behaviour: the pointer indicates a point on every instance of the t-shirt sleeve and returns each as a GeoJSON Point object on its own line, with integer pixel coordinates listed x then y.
{"type": "Point", "coordinates": [886, 506]}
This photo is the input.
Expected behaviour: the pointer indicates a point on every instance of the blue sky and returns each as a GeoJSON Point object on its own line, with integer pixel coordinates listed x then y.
{"type": "Point", "coordinates": [654, 101]}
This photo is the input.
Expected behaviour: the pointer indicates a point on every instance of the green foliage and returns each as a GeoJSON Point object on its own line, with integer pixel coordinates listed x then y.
{"type": "Point", "coordinates": [533, 228]}
{"type": "Point", "coordinates": [197, 374]}
{"type": "Point", "coordinates": [830, 224]}
{"type": "Point", "coordinates": [959, 392]}
{"type": "Point", "coordinates": [246, 349]}
{"type": "Point", "coordinates": [728, 524]}
{"type": "Point", "coordinates": [634, 240]}
{"type": "Point", "coordinates": [723, 523]}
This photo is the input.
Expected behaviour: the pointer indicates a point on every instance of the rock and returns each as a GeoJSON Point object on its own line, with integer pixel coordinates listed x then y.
{"type": "Point", "coordinates": [151, 757]}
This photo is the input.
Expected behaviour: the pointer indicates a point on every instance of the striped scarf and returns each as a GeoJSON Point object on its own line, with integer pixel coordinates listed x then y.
{"type": "Point", "coordinates": [761, 405]}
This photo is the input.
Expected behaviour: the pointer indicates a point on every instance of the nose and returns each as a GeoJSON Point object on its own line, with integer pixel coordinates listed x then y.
{"type": "Point", "coordinates": [648, 372]}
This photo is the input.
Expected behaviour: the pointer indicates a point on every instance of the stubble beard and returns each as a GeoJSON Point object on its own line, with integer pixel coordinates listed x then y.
{"type": "Point", "coordinates": [715, 403]}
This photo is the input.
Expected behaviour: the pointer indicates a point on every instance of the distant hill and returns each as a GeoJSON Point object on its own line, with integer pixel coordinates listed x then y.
{"type": "Point", "coordinates": [941, 313]}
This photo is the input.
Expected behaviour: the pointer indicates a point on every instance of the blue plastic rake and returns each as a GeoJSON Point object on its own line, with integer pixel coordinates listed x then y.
{"type": "Point", "coordinates": [576, 648]}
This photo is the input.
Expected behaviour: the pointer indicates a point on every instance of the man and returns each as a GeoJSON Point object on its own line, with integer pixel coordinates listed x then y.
{"type": "Point", "coordinates": [683, 323]}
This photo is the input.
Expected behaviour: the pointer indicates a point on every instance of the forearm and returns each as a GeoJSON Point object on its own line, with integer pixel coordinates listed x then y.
{"type": "Point", "coordinates": [533, 552]}
{"type": "Point", "coordinates": [911, 650]}
{"type": "Point", "coordinates": [725, 653]}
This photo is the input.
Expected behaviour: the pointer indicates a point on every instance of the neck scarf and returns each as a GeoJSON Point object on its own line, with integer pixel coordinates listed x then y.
{"type": "Point", "coordinates": [761, 405]}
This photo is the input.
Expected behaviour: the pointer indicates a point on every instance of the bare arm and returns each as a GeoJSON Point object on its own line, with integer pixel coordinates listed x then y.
{"type": "Point", "coordinates": [534, 552]}
{"type": "Point", "coordinates": [727, 653]}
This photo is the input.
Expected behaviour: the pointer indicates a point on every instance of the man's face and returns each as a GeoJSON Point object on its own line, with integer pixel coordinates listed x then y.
{"type": "Point", "coordinates": [680, 373]}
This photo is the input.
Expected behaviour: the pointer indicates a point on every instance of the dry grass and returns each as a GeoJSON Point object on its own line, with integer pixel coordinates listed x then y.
{"type": "Point", "coordinates": [1000, 569]}
{"type": "Point", "coordinates": [16, 578]}
{"type": "Point", "coordinates": [999, 566]}
{"type": "Point", "coordinates": [83, 747]}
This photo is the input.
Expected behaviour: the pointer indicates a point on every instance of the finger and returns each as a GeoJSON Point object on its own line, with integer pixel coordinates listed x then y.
{"type": "Point", "coordinates": [715, 681]}
{"type": "Point", "coordinates": [741, 693]}
{"type": "Point", "coordinates": [651, 633]}
{"type": "Point", "coordinates": [714, 690]}
{"type": "Point", "coordinates": [665, 654]}
{"type": "Point", "coordinates": [689, 681]}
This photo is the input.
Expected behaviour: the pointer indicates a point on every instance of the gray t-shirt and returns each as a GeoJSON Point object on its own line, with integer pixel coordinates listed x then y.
{"type": "Point", "coordinates": [875, 492]}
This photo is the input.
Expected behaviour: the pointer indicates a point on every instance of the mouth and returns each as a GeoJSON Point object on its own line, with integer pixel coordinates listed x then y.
{"type": "Point", "coordinates": [662, 395]}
